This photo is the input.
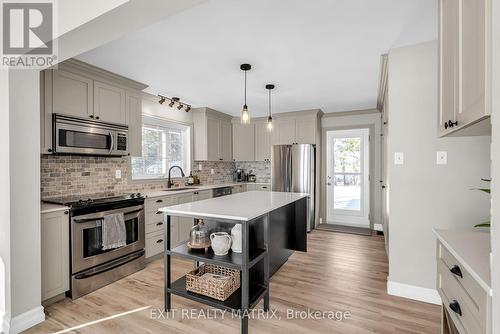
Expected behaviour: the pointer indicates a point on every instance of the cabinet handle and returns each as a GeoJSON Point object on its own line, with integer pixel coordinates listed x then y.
{"type": "Point", "coordinates": [49, 150]}
{"type": "Point", "coordinates": [159, 241]}
{"type": "Point", "coordinates": [66, 212]}
{"type": "Point", "coordinates": [91, 116]}
{"type": "Point", "coordinates": [455, 270]}
{"type": "Point", "coordinates": [455, 307]}
{"type": "Point", "coordinates": [196, 193]}
{"type": "Point", "coordinates": [221, 159]}
{"type": "Point", "coordinates": [264, 187]}
{"type": "Point", "coordinates": [159, 224]}
{"type": "Point", "coordinates": [159, 201]}
{"type": "Point", "coordinates": [159, 212]}
{"type": "Point", "coordinates": [97, 117]}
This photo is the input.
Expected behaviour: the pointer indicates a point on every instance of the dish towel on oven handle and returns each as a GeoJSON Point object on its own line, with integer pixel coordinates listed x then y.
{"type": "Point", "coordinates": [114, 233]}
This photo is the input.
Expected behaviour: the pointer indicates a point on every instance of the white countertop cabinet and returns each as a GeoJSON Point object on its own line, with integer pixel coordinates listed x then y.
{"type": "Point", "coordinates": [463, 280]}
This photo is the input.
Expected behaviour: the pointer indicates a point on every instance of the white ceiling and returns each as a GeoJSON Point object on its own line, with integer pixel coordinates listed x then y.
{"type": "Point", "coordinates": [319, 53]}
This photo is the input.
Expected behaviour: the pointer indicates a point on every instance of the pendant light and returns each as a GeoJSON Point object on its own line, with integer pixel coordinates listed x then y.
{"type": "Point", "coordinates": [270, 87]}
{"type": "Point", "coordinates": [245, 114]}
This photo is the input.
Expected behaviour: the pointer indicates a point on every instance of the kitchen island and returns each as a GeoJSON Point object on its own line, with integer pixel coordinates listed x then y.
{"type": "Point", "coordinates": [274, 224]}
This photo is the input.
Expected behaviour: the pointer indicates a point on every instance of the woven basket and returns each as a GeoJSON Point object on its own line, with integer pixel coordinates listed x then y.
{"type": "Point", "coordinates": [220, 290]}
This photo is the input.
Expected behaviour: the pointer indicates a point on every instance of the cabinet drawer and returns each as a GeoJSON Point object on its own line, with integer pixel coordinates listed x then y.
{"type": "Point", "coordinates": [469, 284]}
{"type": "Point", "coordinates": [153, 204]}
{"type": "Point", "coordinates": [154, 222]}
{"type": "Point", "coordinates": [452, 291]}
{"type": "Point", "coordinates": [155, 243]}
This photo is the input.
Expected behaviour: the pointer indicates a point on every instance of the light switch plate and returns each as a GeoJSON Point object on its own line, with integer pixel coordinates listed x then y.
{"type": "Point", "coordinates": [118, 174]}
{"type": "Point", "coordinates": [441, 158]}
{"type": "Point", "coordinates": [399, 158]}
{"type": "Point", "coordinates": [212, 171]}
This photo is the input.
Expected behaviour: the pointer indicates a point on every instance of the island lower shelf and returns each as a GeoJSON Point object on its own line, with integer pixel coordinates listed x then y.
{"type": "Point", "coordinates": [233, 303]}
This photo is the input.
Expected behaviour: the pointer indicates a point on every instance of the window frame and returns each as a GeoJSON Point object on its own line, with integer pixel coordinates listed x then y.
{"type": "Point", "coordinates": [166, 123]}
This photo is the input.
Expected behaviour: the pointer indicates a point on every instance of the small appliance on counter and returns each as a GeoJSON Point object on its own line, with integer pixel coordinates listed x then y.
{"type": "Point", "coordinates": [240, 175]}
{"type": "Point", "coordinates": [251, 177]}
{"type": "Point", "coordinates": [199, 237]}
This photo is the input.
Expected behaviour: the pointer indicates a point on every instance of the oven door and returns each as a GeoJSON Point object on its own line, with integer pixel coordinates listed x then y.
{"type": "Point", "coordinates": [86, 238]}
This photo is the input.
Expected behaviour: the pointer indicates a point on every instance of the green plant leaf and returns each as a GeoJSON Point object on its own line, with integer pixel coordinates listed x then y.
{"type": "Point", "coordinates": [486, 190]}
{"type": "Point", "coordinates": [485, 224]}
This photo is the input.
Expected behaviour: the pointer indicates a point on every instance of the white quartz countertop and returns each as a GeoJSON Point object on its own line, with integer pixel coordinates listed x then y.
{"type": "Point", "coordinates": [161, 193]}
{"type": "Point", "coordinates": [242, 206]}
{"type": "Point", "coordinates": [49, 207]}
{"type": "Point", "coordinates": [472, 249]}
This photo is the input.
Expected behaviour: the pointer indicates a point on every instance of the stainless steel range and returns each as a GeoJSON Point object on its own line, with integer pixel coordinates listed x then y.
{"type": "Point", "coordinates": [93, 267]}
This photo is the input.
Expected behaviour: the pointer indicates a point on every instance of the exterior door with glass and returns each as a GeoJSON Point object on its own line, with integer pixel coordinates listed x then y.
{"type": "Point", "coordinates": [348, 186]}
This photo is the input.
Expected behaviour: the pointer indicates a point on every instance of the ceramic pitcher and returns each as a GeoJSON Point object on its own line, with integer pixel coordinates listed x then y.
{"type": "Point", "coordinates": [221, 242]}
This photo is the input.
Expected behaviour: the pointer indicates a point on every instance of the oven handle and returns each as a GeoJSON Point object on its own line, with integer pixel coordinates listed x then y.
{"type": "Point", "coordinates": [109, 265]}
{"type": "Point", "coordinates": [100, 215]}
{"type": "Point", "coordinates": [112, 143]}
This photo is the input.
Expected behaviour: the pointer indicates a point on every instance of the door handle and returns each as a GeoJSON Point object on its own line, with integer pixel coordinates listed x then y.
{"type": "Point", "coordinates": [112, 143]}
{"type": "Point", "coordinates": [455, 307]}
{"type": "Point", "coordinates": [455, 270]}
{"type": "Point", "coordinates": [328, 184]}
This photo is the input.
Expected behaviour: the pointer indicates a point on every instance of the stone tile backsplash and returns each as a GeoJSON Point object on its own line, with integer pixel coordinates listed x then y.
{"type": "Point", "coordinates": [81, 175]}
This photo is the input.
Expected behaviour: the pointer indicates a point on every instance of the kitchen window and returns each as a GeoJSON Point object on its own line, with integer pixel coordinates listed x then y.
{"type": "Point", "coordinates": [164, 144]}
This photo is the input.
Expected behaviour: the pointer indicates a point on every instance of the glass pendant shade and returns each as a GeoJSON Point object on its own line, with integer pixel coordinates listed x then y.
{"type": "Point", "coordinates": [245, 115]}
{"type": "Point", "coordinates": [269, 124]}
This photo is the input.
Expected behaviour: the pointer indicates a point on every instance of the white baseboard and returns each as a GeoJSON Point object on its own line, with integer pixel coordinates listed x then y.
{"type": "Point", "coordinates": [378, 227]}
{"type": "Point", "coordinates": [25, 320]}
{"type": "Point", "coordinates": [413, 292]}
{"type": "Point", "coordinates": [4, 323]}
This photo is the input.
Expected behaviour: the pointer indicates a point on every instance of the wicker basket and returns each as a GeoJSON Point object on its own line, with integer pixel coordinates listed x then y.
{"type": "Point", "coordinates": [217, 289]}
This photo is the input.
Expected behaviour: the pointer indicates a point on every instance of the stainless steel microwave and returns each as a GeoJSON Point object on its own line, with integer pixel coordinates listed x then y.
{"type": "Point", "coordinates": [75, 135]}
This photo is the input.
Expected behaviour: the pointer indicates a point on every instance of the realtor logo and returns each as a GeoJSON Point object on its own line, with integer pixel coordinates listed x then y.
{"type": "Point", "coordinates": [27, 34]}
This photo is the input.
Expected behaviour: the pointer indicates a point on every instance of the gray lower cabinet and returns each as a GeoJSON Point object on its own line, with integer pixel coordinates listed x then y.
{"type": "Point", "coordinates": [258, 187]}
{"type": "Point", "coordinates": [54, 230]}
{"type": "Point", "coordinates": [180, 227]}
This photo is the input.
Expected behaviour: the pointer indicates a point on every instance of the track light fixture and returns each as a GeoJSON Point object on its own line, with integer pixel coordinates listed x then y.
{"type": "Point", "coordinates": [173, 101]}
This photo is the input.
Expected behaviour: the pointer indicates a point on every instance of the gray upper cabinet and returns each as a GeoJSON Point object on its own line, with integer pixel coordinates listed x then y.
{"type": "Point", "coordinates": [306, 129]}
{"type": "Point", "coordinates": [464, 67]}
{"type": "Point", "coordinates": [212, 135]}
{"type": "Point", "coordinates": [82, 90]}
{"type": "Point", "coordinates": [72, 94]}
{"type": "Point", "coordinates": [284, 131]}
{"type": "Point", "coordinates": [262, 141]}
{"type": "Point", "coordinates": [133, 105]}
{"type": "Point", "coordinates": [243, 141]}
{"type": "Point", "coordinates": [109, 103]}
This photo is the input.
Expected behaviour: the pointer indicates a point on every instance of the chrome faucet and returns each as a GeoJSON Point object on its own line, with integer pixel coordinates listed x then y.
{"type": "Point", "coordinates": [169, 182]}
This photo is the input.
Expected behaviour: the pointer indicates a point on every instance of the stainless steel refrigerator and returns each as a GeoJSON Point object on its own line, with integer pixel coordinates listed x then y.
{"type": "Point", "coordinates": [294, 170]}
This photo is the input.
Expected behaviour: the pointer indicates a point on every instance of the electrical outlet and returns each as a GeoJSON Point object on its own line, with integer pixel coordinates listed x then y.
{"type": "Point", "coordinates": [399, 158]}
{"type": "Point", "coordinates": [118, 174]}
{"type": "Point", "coordinates": [441, 158]}
{"type": "Point", "coordinates": [200, 167]}
{"type": "Point", "coordinates": [212, 171]}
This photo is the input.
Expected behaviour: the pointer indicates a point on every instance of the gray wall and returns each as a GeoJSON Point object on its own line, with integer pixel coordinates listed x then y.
{"type": "Point", "coordinates": [424, 195]}
{"type": "Point", "coordinates": [351, 120]}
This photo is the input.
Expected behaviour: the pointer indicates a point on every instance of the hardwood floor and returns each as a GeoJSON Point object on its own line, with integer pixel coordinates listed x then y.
{"type": "Point", "coordinates": [340, 272]}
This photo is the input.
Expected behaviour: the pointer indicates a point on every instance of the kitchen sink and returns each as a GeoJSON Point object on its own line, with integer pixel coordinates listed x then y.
{"type": "Point", "coordinates": [181, 188]}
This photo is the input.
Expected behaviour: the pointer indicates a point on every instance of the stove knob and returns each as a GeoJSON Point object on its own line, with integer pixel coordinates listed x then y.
{"type": "Point", "coordinates": [138, 195]}
{"type": "Point", "coordinates": [132, 195]}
